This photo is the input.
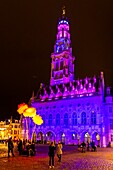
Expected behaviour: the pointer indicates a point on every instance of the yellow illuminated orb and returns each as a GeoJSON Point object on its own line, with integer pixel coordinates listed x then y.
{"type": "Point", "coordinates": [37, 120]}
{"type": "Point", "coordinates": [21, 108]}
{"type": "Point", "coordinates": [29, 112]}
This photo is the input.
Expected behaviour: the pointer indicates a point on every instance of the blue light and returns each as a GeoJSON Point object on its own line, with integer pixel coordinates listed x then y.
{"type": "Point", "coordinates": [63, 21]}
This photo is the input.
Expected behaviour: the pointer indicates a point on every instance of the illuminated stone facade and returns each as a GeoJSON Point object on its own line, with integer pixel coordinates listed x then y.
{"type": "Point", "coordinates": [72, 110]}
{"type": "Point", "coordinates": [9, 128]}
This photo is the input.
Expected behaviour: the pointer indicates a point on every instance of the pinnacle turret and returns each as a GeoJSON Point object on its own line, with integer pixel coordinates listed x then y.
{"type": "Point", "coordinates": [62, 66]}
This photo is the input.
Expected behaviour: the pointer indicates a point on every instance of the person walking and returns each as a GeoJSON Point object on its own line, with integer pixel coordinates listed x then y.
{"type": "Point", "coordinates": [83, 146]}
{"type": "Point", "coordinates": [20, 147]}
{"type": "Point", "coordinates": [10, 147]}
{"type": "Point", "coordinates": [51, 154]}
{"type": "Point", "coordinates": [59, 151]}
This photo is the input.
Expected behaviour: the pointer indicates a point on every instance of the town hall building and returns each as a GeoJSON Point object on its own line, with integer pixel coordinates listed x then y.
{"type": "Point", "coordinates": [73, 110]}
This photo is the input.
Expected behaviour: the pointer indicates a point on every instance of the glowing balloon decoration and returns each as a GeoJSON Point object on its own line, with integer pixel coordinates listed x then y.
{"type": "Point", "coordinates": [37, 120]}
{"type": "Point", "coordinates": [21, 108]}
{"type": "Point", "coordinates": [29, 112]}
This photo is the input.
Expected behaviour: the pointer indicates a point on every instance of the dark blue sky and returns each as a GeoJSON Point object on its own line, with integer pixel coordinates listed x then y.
{"type": "Point", "coordinates": [27, 36]}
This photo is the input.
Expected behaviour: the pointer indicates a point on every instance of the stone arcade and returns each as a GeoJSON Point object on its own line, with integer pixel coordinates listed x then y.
{"type": "Point", "coordinates": [72, 110]}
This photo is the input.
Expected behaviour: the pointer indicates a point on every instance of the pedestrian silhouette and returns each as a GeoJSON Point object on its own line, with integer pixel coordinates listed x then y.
{"type": "Point", "coordinates": [51, 155]}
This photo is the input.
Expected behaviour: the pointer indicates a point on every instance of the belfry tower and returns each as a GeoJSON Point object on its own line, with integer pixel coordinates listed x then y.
{"type": "Point", "coordinates": [62, 64]}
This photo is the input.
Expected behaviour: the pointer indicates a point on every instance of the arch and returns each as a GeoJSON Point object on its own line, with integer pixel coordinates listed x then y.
{"type": "Point", "coordinates": [40, 137]}
{"type": "Point", "coordinates": [83, 118]}
{"type": "Point", "coordinates": [50, 136]}
{"type": "Point", "coordinates": [60, 136]}
{"type": "Point", "coordinates": [96, 138]}
{"type": "Point", "coordinates": [85, 136]}
{"type": "Point", "coordinates": [75, 138]}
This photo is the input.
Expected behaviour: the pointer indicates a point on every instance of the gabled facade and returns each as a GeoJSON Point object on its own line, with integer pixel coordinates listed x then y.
{"type": "Point", "coordinates": [73, 110]}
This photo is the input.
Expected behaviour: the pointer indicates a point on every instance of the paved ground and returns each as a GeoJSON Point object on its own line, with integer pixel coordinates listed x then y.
{"type": "Point", "coordinates": [72, 159]}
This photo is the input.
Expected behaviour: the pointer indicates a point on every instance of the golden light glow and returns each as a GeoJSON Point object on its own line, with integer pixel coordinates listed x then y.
{"type": "Point", "coordinates": [29, 112]}
{"type": "Point", "coordinates": [21, 108]}
{"type": "Point", "coordinates": [37, 120]}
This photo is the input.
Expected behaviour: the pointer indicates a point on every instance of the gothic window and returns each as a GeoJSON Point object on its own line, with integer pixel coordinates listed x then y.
{"type": "Point", "coordinates": [50, 119]}
{"type": "Point", "coordinates": [83, 118]}
{"type": "Point", "coordinates": [57, 66]}
{"type": "Point", "coordinates": [61, 65]}
{"type": "Point", "coordinates": [43, 118]}
{"type": "Point", "coordinates": [52, 73]}
{"type": "Point", "coordinates": [74, 119]}
{"type": "Point", "coordinates": [66, 119]}
{"type": "Point", "coordinates": [110, 109]}
{"type": "Point", "coordinates": [56, 76]}
{"type": "Point", "coordinates": [61, 75]}
{"type": "Point", "coordinates": [93, 118]}
{"type": "Point", "coordinates": [57, 119]}
{"type": "Point", "coordinates": [111, 123]}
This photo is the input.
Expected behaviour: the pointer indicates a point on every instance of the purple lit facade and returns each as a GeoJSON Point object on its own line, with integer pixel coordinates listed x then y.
{"type": "Point", "coordinates": [72, 110]}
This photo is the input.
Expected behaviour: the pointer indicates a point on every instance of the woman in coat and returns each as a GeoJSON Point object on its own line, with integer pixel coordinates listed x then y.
{"type": "Point", "coordinates": [59, 151]}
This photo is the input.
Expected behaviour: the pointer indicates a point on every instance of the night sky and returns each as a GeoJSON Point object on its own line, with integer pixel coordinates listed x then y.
{"type": "Point", "coordinates": [27, 36]}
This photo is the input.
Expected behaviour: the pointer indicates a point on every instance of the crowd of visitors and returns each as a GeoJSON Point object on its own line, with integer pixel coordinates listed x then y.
{"type": "Point", "coordinates": [87, 146]}
{"type": "Point", "coordinates": [27, 148]}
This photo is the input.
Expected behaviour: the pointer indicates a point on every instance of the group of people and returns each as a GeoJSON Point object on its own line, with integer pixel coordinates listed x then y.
{"type": "Point", "coordinates": [27, 148]}
{"type": "Point", "coordinates": [51, 153]}
{"type": "Point", "coordinates": [24, 147]}
{"type": "Point", "coordinates": [89, 146]}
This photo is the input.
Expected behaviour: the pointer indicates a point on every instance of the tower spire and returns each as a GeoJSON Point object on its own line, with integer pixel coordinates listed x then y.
{"type": "Point", "coordinates": [62, 65]}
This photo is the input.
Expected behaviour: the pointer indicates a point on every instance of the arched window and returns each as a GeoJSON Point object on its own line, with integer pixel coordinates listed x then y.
{"type": "Point", "coordinates": [66, 119]}
{"type": "Point", "coordinates": [61, 65]}
{"type": "Point", "coordinates": [57, 119]}
{"type": "Point", "coordinates": [83, 118]}
{"type": "Point", "coordinates": [57, 66]}
{"type": "Point", "coordinates": [43, 118]}
{"type": "Point", "coordinates": [50, 119]}
{"type": "Point", "coordinates": [74, 119]}
{"type": "Point", "coordinates": [93, 118]}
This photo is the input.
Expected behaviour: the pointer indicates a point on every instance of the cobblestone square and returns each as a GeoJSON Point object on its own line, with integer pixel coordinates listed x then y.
{"type": "Point", "coordinates": [72, 159]}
